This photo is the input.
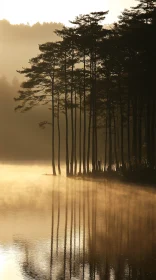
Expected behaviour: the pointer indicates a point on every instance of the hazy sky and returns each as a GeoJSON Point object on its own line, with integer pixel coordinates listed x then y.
{"type": "Point", "coordinates": [32, 11]}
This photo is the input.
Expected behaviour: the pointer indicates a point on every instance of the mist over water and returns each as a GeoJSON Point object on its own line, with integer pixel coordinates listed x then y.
{"type": "Point", "coordinates": [62, 228]}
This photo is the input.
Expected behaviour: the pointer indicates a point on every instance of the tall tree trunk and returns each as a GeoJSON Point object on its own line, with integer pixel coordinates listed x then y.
{"type": "Point", "coordinates": [105, 162]}
{"type": "Point", "coordinates": [93, 121]}
{"type": "Point", "coordinates": [118, 131]}
{"type": "Point", "coordinates": [53, 129]}
{"type": "Point", "coordinates": [121, 123]}
{"type": "Point", "coordinates": [153, 136]}
{"type": "Point", "coordinates": [121, 132]}
{"type": "Point", "coordinates": [115, 148]}
{"type": "Point", "coordinates": [66, 117]}
{"type": "Point", "coordinates": [90, 121]}
{"type": "Point", "coordinates": [58, 129]}
{"type": "Point", "coordinates": [89, 129]}
{"type": "Point", "coordinates": [128, 132]}
{"type": "Point", "coordinates": [110, 136]}
{"type": "Point", "coordinates": [84, 115]}
{"type": "Point", "coordinates": [148, 135]}
{"type": "Point", "coordinates": [95, 113]}
{"type": "Point", "coordinates": [80, 131]}
{"type": "Point", "coordinates": [75, 145]}
{"type": "Point", "coordinates": [134, 142]}
{"type": "Point", "coordinates": [140, 134]}
{"type": "Point", "coordinates": [72, 119]}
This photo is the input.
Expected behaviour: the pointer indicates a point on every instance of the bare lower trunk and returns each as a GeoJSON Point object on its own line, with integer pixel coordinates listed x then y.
{"type": "Point", "coordinates": [105, 162]}
{"type": "Point", "coordinates": [72, 121]}
{"type": "Point", "coordinates": [53, 129]}
{"type": "Point", "coordinates": [153, 129]}
{"type": "Point", "coordinates": [84, 117]}
{"type": "Point", "coordinates": [140, 135]}
{"type": "Point", "coordinates": [75, 145]}
{"type": "Point", "coordinates": [115, 148]}
{"type": "Point", "coordinates": [88, 151]}
{"type": "Point", "coordinates": [66, 119]}
{"type": "Point", "coordinates": [59, 138]}
{"type": "Point", "coordinates": [134, 141]}
{"type": "Point", "coordinates": [128, 132]}
{"type": "Point", "coordinates": [121, 132]}
{"type": "Point", "coordinates": [80, 133]}
{"type": "Point", "coordinates": [110, 138]}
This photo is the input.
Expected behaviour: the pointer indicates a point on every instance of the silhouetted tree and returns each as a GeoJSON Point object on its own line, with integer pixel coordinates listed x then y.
{"type": "Point", "coordinates": [109, 75]}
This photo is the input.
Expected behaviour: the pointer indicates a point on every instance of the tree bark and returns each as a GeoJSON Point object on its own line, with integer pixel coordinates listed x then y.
{"type": "Point", "coordinates": [59, 134]}
{"type": "Point", "coordinates": [66, 118]}
{"type": "Point", "coordinates": [53, 129]}
{"type": "Point", "coordinates": [80, 131]}
{"type": "Point", "coordinates": [84, 115]}
{"type": "Point", "coordinates": [72, 118]}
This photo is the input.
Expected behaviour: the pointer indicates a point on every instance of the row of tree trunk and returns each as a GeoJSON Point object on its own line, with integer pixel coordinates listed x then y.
{"type": "Point", "coordinates": [103, 82]}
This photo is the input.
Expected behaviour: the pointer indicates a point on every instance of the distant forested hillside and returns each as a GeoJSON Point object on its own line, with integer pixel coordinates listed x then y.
{"type": "Point", "coordinates": [20, 42]}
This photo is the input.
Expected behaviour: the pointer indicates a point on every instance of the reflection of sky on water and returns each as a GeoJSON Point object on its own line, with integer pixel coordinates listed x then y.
{"type": "Point", "coordinates": [9, 264]}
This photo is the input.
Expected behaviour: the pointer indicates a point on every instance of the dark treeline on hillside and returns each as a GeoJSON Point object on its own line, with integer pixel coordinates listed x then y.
{"type": "Point", "coordinates": [103, 81]}
{"type": "Point", "coordinates": [21, 32]}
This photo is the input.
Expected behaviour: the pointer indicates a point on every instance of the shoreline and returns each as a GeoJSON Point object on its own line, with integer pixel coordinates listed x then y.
{"type": "Point", "coordinates": [145, 177]}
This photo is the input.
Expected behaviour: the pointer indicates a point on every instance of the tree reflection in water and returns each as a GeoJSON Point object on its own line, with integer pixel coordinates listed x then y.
{"type": "Point", "coordinates": [98, 232]}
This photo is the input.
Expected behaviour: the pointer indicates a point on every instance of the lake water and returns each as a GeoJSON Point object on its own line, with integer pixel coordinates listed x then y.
{"type": "Point", "coordinates": [61, 228]}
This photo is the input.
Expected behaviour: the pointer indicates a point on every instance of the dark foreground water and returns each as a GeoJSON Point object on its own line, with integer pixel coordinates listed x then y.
{"type": "Point", "coordinates": [59, 228]}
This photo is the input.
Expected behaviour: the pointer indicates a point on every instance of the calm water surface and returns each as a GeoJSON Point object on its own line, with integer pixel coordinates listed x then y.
{"type": "Point", "coordinates": [59, 228]}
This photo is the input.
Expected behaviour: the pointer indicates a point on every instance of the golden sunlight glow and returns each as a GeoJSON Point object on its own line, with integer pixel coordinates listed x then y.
{"type": "Point", "coordinates": [2, 261]}
{"type": "Point", "coordinates": [32, 11]}
{"type": "Point", "coordinates": [8, 266]}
